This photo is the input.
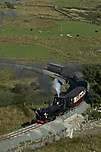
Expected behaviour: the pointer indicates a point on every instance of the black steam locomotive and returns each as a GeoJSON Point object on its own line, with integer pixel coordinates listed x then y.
{"type": "Point", "coordinates": [60, 105]}
{"type": "Point", "coordinates": [76, 94]}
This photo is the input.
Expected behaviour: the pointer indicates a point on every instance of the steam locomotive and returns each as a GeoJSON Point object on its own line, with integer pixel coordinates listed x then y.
{"type": "Point", "coordinates": [65, 101]}
{"type": "Point", "coordinates": [60, 105]}
{"type": "Point", "coordinates": [76, 93]}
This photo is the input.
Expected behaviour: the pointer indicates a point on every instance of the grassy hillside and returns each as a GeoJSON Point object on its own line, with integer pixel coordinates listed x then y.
{"type": "Point", "coordinates": [52, 42]}
{"type": "Point", "coordinates": [83, 143]}
{"type": "Point", "coordinates": [78, 3]}
{"type": "Point", "coordinates": [19, 92]}
{"type": "Point", "coordinates": [34, 45]}
{"type": "Point", "coordinates": [32, 32]}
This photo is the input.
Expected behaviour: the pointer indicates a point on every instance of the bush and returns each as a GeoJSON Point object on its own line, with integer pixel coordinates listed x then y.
{"type": "Point", "coordinates": [92, 74]}
{"type": "Point", "coordinates": [93, 114]}
{"type": "Point", "coordinates": [9, 5]}
{"type": "Point", "coordinates": [6, 98]}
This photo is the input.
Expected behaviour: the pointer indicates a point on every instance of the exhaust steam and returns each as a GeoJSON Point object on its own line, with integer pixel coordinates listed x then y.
{"type": "Point", "coordinates": [57, 86]}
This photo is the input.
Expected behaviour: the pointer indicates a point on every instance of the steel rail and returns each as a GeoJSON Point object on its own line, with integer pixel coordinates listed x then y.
{"type": "Point", "coordinates": [19, 132]}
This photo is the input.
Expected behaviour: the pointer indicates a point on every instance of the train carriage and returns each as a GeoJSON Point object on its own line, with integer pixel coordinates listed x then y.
{"type": "Point", "coordinates": [56, 68]}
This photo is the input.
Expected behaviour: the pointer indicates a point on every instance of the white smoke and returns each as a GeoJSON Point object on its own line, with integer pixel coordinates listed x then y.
{"type": "Point", "coordinates": [57, 86]}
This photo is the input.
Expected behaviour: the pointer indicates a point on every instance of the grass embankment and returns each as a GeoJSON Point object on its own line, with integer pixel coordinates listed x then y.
{"type": "Point", "coordinates": [11, 118]}
{"type": "Point", "coordinates": [82, 143]}
{"type": "Point", "coordinates": [15, 106]}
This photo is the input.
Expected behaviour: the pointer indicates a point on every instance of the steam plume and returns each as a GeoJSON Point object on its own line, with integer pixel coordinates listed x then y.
{"type": "Point", "coordinates": [57, 86]}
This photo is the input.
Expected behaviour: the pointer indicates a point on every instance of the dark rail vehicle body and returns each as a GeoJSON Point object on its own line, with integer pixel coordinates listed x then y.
{"type": "Point", "coordinates": [56, 68]}
{"type": "Point", "coordinates": [61, 104]}
{"type": "Point", "coordinates": [65, 71]}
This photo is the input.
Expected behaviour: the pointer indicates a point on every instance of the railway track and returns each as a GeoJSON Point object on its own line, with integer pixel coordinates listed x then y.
{"type": "Point", "coordinates": [35, 132]}
{"type": "Point", "coordinates": [19, 132]}
{"type": "Point", "coordinates": [22, 131]}
{"type": "Point", "coordinates": [27, 129]}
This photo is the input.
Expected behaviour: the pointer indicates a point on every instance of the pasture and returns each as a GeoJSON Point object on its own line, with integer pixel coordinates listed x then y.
{"type": "Point", "coordinates": [51, 43]}
{"type": "Point", "coordinates": [78, 3]}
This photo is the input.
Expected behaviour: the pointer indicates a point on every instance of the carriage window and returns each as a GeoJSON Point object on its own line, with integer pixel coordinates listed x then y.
{"type": "Point", "coordinates": [81, 93]}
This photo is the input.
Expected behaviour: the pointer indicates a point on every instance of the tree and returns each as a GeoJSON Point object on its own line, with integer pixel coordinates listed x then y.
{"type": "Point", "coordinates": [92, 74]}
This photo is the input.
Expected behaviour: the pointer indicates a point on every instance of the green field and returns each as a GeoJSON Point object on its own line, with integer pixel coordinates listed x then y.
{"type": "Point", "coordinates": [71, 3]}
{"type": "Point", "coordinates": [27, 36]}
{"type": "Point", "coordinates": [78, 3]}
{"type": "Point", "coordinates": [43, 44]}
{"type": "Point", "coordinates": [24, 52]}
{"type": "Point", "coordinates": [64, 27]}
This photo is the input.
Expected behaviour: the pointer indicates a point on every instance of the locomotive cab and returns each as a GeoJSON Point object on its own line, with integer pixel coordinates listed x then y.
{"type": "Point", "coordinates": [58, 101]}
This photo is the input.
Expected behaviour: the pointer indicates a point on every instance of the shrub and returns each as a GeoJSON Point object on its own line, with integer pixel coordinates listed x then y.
{"type": "Point", "coordinates": [9, 5]}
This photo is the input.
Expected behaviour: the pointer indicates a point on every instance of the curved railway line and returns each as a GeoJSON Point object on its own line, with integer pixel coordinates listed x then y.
{"type": "Point", "coordinates": [35, 131]}
{"type": "Point", "coordinates": [29, 128]}
{"type": "Point", "coordinates": [38, 132]}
